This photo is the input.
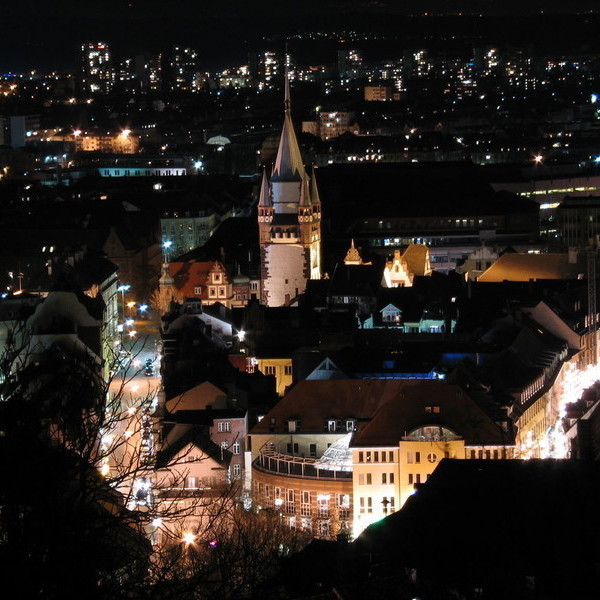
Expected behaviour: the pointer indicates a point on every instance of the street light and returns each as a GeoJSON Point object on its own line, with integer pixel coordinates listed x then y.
{"type": "Point", "coordinates": [188, 538]}
{"type": "Point", "coordinates": [166, 247]}
{"type": "Point", "coordinates": [123, 288]}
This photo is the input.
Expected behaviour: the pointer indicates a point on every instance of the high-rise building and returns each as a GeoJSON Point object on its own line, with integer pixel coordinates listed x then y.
{"type": "Point", "coordinates": [289, 222]}
{"type": "Point", "coordinates": [349, 63]}
{"type": "Point", "coordinates": [185, 74]}
{"type": "Point", "coordinates": [148, 70]}
{"type": "Point", "coordinates": [97, 75]}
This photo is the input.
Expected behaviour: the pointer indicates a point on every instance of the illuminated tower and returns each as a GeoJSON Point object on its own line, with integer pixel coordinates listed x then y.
{"type": "Point", "coordinates": [96, 68]}
{"type": "Point", "coordinates": [289, 221]}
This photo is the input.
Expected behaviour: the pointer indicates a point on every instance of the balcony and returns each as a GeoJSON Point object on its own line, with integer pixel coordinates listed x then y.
{"type": "Point", "coordinates": [271, 461]}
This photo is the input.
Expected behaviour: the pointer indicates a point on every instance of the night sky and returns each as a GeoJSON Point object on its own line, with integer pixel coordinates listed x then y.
{"type": "Point", "coordinates": [46, 35]}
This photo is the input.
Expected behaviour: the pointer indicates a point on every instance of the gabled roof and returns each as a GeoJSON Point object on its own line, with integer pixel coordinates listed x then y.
{"type": "Point", "coordinates": [385, 410]}
{"type": "Point", "coordinates": [194, 398]}
{"type": "Point", "coordinates": [416, 258]}
{"type": "Point", "coordinates": [192, 274]}
{"type": "Point", "coordinates": [181, 436]}
{"type": "Point", "coordinates": [525, 267]}
{"type": "Point", "coordinates": [406, 412]}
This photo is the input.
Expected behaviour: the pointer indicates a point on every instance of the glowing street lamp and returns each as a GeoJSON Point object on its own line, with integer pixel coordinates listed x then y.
{"type": "Point", "coordinates": [131, 305]}
{"type": "Point", "coordinates": [123, 288]}
{"type": "Point", "coordinates": [166, 247]}
{"type": "Point", "coordinates": [538, 159]}
{"type": "Point", "coordinates": [188, 538]}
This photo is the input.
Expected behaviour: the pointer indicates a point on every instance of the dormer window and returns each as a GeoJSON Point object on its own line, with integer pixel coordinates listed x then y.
{"type": "Point", "coordinates": [331, 425]}
{"type": "Point", "coordinates": [350, 425]}
{"type": "Point", "coordinates": [434, 409]}
{"type": "Point", "coordinates": [292, 425]}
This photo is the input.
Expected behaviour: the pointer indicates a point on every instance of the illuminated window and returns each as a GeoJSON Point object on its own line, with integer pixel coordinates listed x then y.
{"type": "Point", "coordinates": [236, 447]}
{"type": "Point", "coordinates": [224, 427]}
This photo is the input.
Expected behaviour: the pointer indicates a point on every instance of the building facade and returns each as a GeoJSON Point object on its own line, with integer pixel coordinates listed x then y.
{"type": "Point", "coordinates": [97, 75]}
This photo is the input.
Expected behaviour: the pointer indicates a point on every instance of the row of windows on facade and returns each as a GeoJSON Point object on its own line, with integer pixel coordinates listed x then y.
{"type": "Point", "coordinates": [306, 524]}
{"type": "Point", "coordinates": [199, 483]}
{"type": "Point", "coordinates": [330, 425]}
{"type": "Point", "coordinates": [367, 478]}
{"type": "Point", "coordinates": [434, 223]}
{"type": "Point", "coordinates": [365, 504]}
{"type": "Point", "coordinates": [212, 292]}
{"type": "Point", "coordinates": [293, 449]}
{"type": "Point", "coordinates": [289, 497]}
{"type": "Point", "coordinates": [388, 456]}
{"type": "Point", "coordinates": [235, 447]}
{"type": "Point", "coordinates": [272, 369]}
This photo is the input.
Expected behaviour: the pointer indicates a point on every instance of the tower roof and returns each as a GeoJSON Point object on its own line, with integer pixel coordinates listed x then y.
{"type": "Point", "coordinates": [305, 199]}
{"type": "Point", "coordinates": [353, 256]}
{"type": "Point", "coordinates": [264, 198]}
{"type": "Point", "coordinates": [314, 192]}
{"type": "Point", "coordinates": [288, 164]}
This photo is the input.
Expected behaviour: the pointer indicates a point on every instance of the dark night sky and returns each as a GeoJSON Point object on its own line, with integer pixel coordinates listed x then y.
{"type": "Point", "coordinates": [45, 35]}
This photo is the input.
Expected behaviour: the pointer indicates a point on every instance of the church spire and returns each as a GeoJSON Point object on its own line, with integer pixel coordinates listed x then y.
{"type": "Point", "coordinates": [288, 164]}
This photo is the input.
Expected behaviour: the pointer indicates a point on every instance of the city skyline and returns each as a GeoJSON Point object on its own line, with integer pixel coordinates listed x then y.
{"type": "Point", "coordinates": [224, 36]}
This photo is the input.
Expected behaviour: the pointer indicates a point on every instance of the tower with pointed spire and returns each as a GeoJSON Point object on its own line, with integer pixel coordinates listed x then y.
{"type": "Point", "coordinates": [289, 221]}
